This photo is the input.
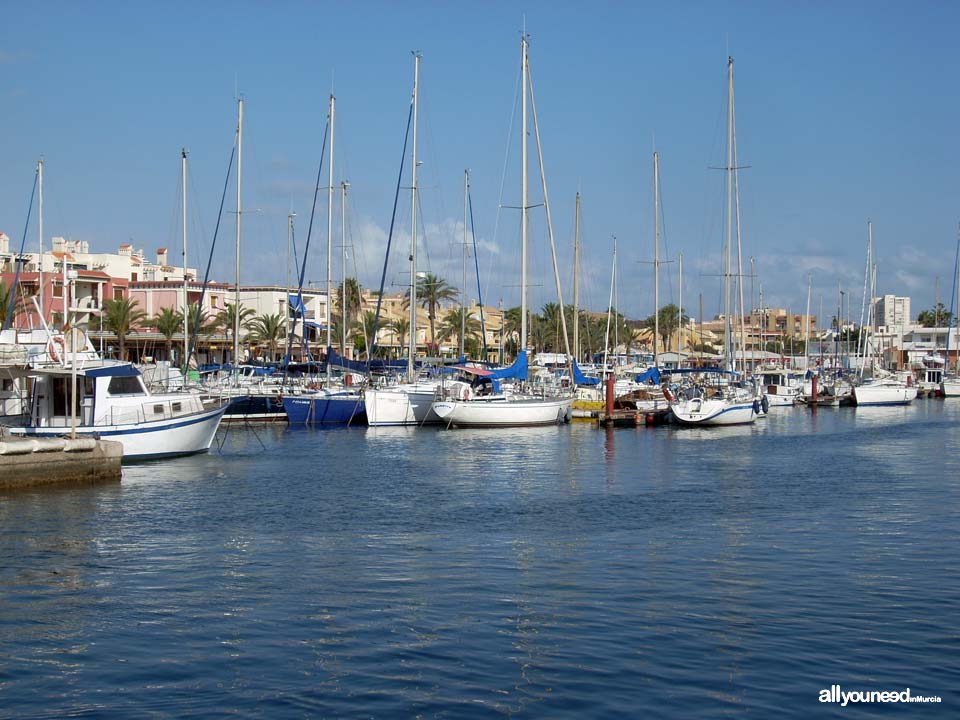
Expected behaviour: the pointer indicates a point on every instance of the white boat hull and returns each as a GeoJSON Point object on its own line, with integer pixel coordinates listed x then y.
{"type": "Point", "coordinates": [180, 435]}
{"type": "Point", "coordinates": [884, 394]}
{"type": "Point", "coordinates": [714, 411]}
{"type": "Point", "coordinates": [950, 388]}
{"type": "Point", "coordinates": [402, 405]}
{"type": "Point", "coordinates": [499, 411]}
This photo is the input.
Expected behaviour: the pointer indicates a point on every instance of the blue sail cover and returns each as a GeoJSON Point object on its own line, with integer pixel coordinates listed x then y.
{"type": "Point", "coordinates": [359, 366]}
{"type": "Point", "coordinates": [518, 370]}
{"type": "Point", "coordinates": [580, 379]}
{"type": "Point", "coordinates": [651, 376]}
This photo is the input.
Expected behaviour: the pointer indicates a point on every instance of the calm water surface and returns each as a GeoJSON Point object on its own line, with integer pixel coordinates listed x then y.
{"type": "Point", "coordinates": [553, 572]}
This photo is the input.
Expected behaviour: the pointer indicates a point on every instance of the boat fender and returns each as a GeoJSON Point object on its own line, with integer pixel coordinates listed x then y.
{"type": "Point", "coordinates": [756, 407]}
{"type": "Point", "coordinates": [764, 403]}
{"type": "Point", "coordinates": [54, 344]}
{"type": "Point", "coordinates": [668, 395]}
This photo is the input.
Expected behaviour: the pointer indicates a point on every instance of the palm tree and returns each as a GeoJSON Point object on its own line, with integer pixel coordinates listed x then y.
{"type": "Point", "coordinates": [399, 327]}
{"type": "Point", "coordinates": [269, 329]}
{"type": "Point", "coordinates": [353, 300]}
{"type": "Point", "coordinates": [431, 291]}
{"type": "Point", "coordinates": [552, 330]}
{"type": "Point", "coordinates": [363, 332]}
{"type": "Point", "coordinates": [226, 320]}
{"type": "Point", "coordinates": [511, 326]}
{"type": "Point", "coordinates": [167, 322]}
{"type": "Point", "coordinates": [457, 319]}
{"type": "Point", "coordinates": [120, 316]}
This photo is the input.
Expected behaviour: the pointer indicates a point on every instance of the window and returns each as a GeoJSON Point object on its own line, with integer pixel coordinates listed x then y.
{"type": "Point", "coordinates": [57, 290]}
{"type": "Point", "coordinates": [118, 293]}
{"type": "Point", "coordinates": [125, 385]}
{"type": "Point", "coordinates": [133, 277]}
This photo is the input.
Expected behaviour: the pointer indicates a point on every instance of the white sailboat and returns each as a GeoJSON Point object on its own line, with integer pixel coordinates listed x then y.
{"type": "Point", "coordinates": [728, 405]}
{"type": "Point", "coordinates": [883, 388]}
{"type": "Point", "coordinates": [950, 385]}
{"type": "Point", "coordinates": [409, 402]}
{"type": "Point", "coordinates": [505, 409]}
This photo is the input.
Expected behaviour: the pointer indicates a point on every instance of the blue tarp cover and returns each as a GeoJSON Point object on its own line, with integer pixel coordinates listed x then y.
{"type": "Point", "coordinates": [518, 370]}
{"type": "Point", "coordinates": [652, 376]}
{"type": "Point", "coordinates": [580, 379]}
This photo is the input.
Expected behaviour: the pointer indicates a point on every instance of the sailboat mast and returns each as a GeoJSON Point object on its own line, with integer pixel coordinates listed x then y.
{"type": "Point", "coordinates": [523, 196]}
{"type": "Point", "coordinates": [613, 282]}
{"type": "Point", "coordinates": [236, 298]}
{"type": "Point", "coordinates": [656, 257]}
{"type": "Point", "coordinates": [680, 315]}
{"type": "Point", "coordinates": [412, 349]}
{"type": "Point", "coordinates": [329, 318]}
{"type": "Point", "coordinates": [576, 281]}
{"type": "Point", "coordinates": [865, 309]}
{"type": "Point", "coordinates": [183, 208]}
{"type": "Point", "coordinates": [806, 330]}
{"type": "Point", "coordinates": [343, 267]}
{"type": "Point", "coordinates": [40, 232]}
{"type": "Point", "coordinates": [463, 255]}
{"type": "Point", "coordinates": [727, 335]}
{"type": "Point", "coordinates": [289, 315]}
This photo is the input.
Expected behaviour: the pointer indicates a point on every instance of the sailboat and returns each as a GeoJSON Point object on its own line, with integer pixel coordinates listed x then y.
{"type": "Point", "coordinates": [332, 404]}
{"type": "Point", "coordinates": [883, 388]}
{"type": "Point", "coordinates": [950, 385]}
{"type": "Point", "coordinates": [496, 407]}
{"type": "Point", "coordinates": [724, 404]}
{"type": "Point", "coordinates": [409, 402]}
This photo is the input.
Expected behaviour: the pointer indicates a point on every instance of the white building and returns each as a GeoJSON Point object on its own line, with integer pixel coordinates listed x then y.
{"type": "Point", "coordinates": [891, 314]}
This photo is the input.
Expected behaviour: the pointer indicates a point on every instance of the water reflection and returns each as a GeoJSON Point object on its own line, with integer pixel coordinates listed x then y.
{"type": "Point", "coordinates": [398, 572]}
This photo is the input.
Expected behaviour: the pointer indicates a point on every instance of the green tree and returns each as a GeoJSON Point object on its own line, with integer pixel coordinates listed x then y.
{"type": "Point", "coordinates": [168, 322]}
{"type": "Point", "coordinates": [431, 292]}
{"type": "Point", "coordinates": [268, 329]}
{"type": "Point", "coordinates": [937, 316]}
{"type": "Point", "coordinates": [669, 317]}
{"type": "Point", "coordinates": [225, 320]}
{"type": "Point", "coordinates": [121, 316]}
{"type": "Point", "coordinates": [457, 319]}
{"type": "Point", "coordinates": [399, 327]}
{"type": "Point", "coordinates": [353, 301]}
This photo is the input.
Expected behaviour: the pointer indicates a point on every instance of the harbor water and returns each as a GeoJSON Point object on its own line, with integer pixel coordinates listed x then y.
{"type": "Point", "coordinates": [551, 572]}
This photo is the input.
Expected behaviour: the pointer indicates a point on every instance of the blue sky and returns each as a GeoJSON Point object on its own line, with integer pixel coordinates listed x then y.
{"type": "Point", "coordinates": [845, 112]}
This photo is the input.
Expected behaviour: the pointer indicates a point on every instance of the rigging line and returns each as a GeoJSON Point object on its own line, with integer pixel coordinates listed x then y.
{"type": "Point", "coordinates": [393, 218]}
{"type": "Point", "coordinates": [663, 232]}
{"type": "Point", "coordinates": [306, 249]}
{"type": "Point", "coordinates": [23, 243]}
{"type": "Point", "coordinates": [476, 263]}
{"type": "Point", "coordinates": [503, 172]}
{"type": "Point", "coordinates": [206, 275]}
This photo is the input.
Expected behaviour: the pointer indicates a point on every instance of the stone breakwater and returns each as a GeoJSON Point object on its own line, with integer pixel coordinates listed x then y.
{"type": "Point", "coordinates": [28, 462]}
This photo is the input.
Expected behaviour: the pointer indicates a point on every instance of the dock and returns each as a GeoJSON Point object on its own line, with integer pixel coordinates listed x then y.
{"type": "Point", "coordinates": [29, 462]}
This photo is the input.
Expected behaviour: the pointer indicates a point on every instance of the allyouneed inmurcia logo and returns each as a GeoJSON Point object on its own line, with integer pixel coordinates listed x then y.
{"type": "Point", "coordinates": [836, 695]}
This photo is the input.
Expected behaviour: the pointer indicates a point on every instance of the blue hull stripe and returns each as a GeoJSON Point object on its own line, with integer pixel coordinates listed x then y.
{"type": "Point", "coordinates": [133, 430]}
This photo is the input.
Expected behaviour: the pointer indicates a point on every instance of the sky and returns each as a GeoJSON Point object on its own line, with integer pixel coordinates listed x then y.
{"type": "Point", "coordinates": [845, 112]}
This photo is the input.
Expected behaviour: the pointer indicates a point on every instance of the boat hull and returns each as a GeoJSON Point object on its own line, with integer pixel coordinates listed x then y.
{"type": "Point", "coordinates": [400, 406]}
{"type": "Point", "coordinates": [700, 411]}
{"type": "Point", "coordinates": [182, 435]}
{"type": "Point", "coordinates": [255, 408]}
{"type": "Point", "coordinates": [324, 410]}
{"type": "Point", "coordinates": [866, 395]}
{"type": "Point", "coordinates": [950, 388]}
{"type": "Point", "coordinates": [503, 412]}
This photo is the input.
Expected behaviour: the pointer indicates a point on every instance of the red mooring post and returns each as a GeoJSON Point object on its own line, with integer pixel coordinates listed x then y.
{"type": "Point", "coordinates": [609, 394]}
{"type": "Point", "coordinates": [813, 387]}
